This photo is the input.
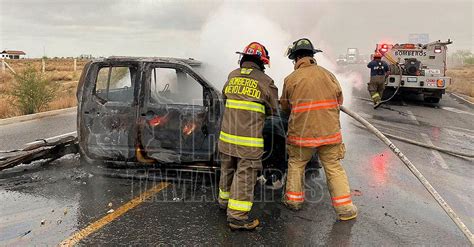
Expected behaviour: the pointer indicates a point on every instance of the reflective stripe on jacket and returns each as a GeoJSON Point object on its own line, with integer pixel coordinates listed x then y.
{"type": "Point", "coordinates": [249, 96]}
{"type": "Point", "coordinates": [241, 140]}
{"type": "Point", "coordinates": [315, 105]}
{"type": "Point", "coordinates": [245, 105]}
{"type": "Point", "coordinates": [312, 95]}
{"type": "Point", "coordinates": [315, 142]}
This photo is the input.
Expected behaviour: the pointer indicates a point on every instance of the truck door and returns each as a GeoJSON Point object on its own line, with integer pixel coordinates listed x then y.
{"type": "Point", "coordinates": [179, 115]}
{"type": "Point", "coordinates": [107, 111]}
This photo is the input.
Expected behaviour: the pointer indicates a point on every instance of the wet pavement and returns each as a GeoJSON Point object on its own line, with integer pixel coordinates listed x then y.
{"type": "Point", "coordinates": [13, 136]}
{"type": "Point", "coordinates": [44, 204]}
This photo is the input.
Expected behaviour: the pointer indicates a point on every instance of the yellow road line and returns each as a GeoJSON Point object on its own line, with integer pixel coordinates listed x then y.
{"type": "Point", "coordinates": [95, 226]}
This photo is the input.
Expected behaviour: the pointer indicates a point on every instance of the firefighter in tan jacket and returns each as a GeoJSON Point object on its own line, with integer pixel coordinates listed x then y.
{"type": "Point", "coordinates": [312, 96]}
{"type": "Point", "coordinates": [249, 96]}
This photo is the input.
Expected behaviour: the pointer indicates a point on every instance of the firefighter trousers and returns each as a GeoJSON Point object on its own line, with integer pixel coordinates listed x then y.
{"type": "Point", "coordinates": [376, 87]}
{"type": "Point", "coordinates": [236, 185]}
{"type": "Point", "coordinates": [330, 156]}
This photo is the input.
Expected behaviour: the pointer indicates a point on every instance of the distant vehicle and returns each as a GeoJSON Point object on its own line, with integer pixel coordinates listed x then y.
{"type": "Point", "coordinates": [158, 111]}
{"type": "Point", "coordinates": [341, 60]}
{"type": "Point", "coordinates": [352, 55]}
{"type": "Point", "coordinates": [416, 68]}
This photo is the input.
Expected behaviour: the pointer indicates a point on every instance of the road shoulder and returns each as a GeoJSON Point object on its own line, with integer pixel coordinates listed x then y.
{"type": "Point", "coordinates": [29, 117]}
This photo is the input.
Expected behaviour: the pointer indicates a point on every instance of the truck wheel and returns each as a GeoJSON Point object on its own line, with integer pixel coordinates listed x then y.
{"type": "Point", "coordinates": [387, 93]}
{"type": "Point", "coordinates": [431, 100]}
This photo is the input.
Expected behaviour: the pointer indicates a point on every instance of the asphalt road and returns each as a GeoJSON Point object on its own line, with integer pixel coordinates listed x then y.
{"type": "Point", "coordinates": [14, 136]}
{"type": "Point", "coordinates": [395, 209]}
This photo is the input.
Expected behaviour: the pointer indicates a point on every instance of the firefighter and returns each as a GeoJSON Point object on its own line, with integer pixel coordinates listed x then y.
{"type": "Point", "coordinates": [312, 96]}
{"type": "Point", "coordinates": [378, 73]}
{"type": "Point", "coordinates": [249, 96]}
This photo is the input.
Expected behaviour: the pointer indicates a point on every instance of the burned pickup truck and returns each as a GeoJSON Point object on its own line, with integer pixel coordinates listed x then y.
{"type": "Point", "coordinates": [158, 111]}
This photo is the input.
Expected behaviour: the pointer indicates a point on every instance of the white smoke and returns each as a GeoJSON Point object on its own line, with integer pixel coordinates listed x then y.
{"type": "Point", "coordinates": [230, 28]}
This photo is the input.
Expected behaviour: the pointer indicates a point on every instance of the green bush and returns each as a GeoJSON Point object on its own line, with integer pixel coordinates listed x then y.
{"type": "Point", "coordinates": [469, 60]}
{"type": "Point", "coordinates": [33, 92]}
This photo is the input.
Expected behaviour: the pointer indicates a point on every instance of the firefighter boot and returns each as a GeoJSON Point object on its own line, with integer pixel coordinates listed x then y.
{"type": "Point", "coordinates": [291, 206]}
{"type": "Point", "coordinates": [377, 104]}
{"type": "Point", "coordinates": [347, 212]}
{"type": "Point", "coordinates": [376, 99]}
{"type": "Point", "coordinates": [248, 224]}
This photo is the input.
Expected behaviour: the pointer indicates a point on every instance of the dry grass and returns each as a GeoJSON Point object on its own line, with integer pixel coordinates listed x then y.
{"type": "Point", "coordinates": [7, 109]}
{"type": "Point", "coordinates": [462, 80]}
{"type": "Point", "coordinates": [63, 102]}
{"type": "Point", "coordinates": [51, 64]}
{"type": "Point", "coordinates": [60, 71]}
{"type": "Point", "coordinates": [61, 76]}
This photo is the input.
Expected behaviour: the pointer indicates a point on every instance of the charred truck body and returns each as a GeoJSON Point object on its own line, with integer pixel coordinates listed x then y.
{"type": "Point", "coordinates": [157, 111]}
{"type": "Point", "coordinates": [416, 68]}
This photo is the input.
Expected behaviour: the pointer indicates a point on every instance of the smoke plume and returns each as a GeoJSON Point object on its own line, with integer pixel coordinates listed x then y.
{"type": "Point", "coordinates": [230, 28]}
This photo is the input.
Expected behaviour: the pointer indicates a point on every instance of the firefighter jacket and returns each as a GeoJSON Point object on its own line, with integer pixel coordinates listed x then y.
{"type": "Point", "coordinates": [312, 95]}
{"type": "Point", "coordinates": [249, 95]}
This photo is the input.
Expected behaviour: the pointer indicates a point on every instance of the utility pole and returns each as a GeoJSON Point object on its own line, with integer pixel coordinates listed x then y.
{"type": "Point", "coordinates": [43, 65]}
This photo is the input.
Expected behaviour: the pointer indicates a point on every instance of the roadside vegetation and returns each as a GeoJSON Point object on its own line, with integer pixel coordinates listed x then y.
{"type": "Point", "coordinates": [462, 80]}
{"type": "Point", "coordinates": [461, 70]}
{"type": "Point", "coordinates": [32, 91]}
{"type": "Point", "coordinates": [462, 57]}
{"type": "Point", "coordinates": [60, 73]}
{"type": "Point", "coordinates": [20, 94]}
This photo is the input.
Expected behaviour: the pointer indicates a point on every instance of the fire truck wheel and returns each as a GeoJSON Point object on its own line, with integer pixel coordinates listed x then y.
{"type": "Point", "coordinates": [431, 100]}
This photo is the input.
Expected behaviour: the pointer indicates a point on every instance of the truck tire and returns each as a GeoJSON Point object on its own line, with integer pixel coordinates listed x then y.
{"type": "Point", "coordinates": [434, 100]}
{"type": "Point", "coordinates": [388, 92]}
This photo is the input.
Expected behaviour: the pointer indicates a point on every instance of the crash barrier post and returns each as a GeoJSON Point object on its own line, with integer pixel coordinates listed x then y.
{"type": "Point", "coordinates": [449, 211]}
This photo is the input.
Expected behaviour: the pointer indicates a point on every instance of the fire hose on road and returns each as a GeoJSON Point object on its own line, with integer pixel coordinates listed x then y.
{"type": "Point", "coordinates": [429, 146]}
{"type": "Point", "coordinates": [449, 211]}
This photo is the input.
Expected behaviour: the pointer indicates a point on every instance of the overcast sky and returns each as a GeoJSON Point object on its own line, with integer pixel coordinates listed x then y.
{"type": "Point", "coordinates": [185, 28]}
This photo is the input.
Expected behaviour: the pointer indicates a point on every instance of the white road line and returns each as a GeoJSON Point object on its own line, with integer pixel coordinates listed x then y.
{"type": "Point", "coordinates": [461, 131]}
{"type": "Point", "coordinates": [459, 97]}
{"type": "Point", "coordinates": [451, 109]}
{"type": "Point", "coordinates": [439, 159]}
{"type": "Point", "coordinates": [52, 138]}
{"type": "Point", "coordinates": [412, 117]}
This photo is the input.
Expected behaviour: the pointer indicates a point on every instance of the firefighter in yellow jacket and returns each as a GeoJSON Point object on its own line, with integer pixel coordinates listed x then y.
{"type": "Point", "coordinates": [249, 96]}
{"type": "Point", "coordinates": [312, 95]}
